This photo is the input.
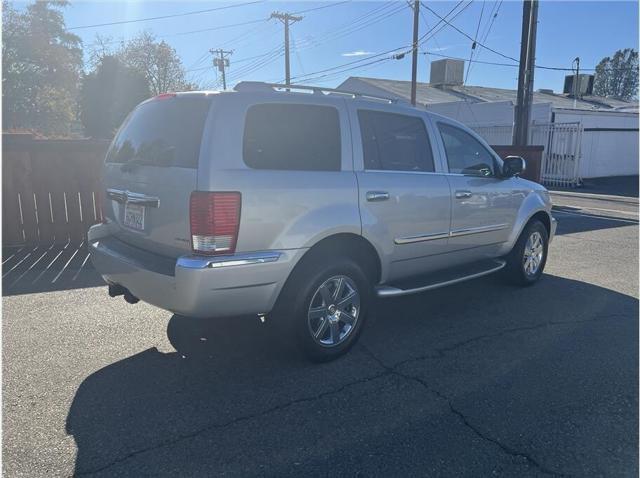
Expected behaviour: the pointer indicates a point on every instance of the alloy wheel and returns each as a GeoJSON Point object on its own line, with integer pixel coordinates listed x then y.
{"type": "Point", "coordinates": [334, 311]}
{"type": "Point", "coordinates": [533, 253]}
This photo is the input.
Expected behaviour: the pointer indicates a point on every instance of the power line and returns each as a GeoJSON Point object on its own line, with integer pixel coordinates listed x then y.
{"type": "Point", "coordinates": [321, 7]}
{"type": "Point", "coordinates": [431, 34]}
{"type": "Point", "coordinates": [473, 45]}
{"type": "Point", "coordinates": [492, 17]}
{"type": "Point", "coordinates": [122, 22]}
{"type": "Point", "coordinates": [343, 30]}
{"type": "Point", "coordinates": [512, 65]}
{"type": "Point", "coordinates": [469, 36]}
{"type": "Point", "coordinates": [407, 48]}
{"type": "Point", "coordinates": [370, 18]}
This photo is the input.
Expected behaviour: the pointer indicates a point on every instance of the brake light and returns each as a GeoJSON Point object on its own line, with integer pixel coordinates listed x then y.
{"type": "Point", "coordinates": [215, 218]}
{"type": "Point", "coordinates": [164, 96]}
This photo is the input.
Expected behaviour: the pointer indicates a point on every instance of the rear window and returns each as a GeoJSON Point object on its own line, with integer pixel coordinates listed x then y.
{"type": "Point", "coordinates": [165, 132]}
{"type": "Point", "coordinates": [293, 137]}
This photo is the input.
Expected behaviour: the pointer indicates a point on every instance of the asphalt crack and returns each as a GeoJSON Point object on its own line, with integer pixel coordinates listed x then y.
{"type": "Point", "coordinates": [441, 352]}
{"type": "Point", "coordinates": [386, 371]}
{"type": "Point", "coordinates": [230, 423]}
{"type": "Point", "coordinates": [463, 419]}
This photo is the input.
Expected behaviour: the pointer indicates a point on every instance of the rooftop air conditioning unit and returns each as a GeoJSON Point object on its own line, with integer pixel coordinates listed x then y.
{"type": "Point", "coordinates": [585, 84]}
{"type": "Point", "coordinates": [447, 72]}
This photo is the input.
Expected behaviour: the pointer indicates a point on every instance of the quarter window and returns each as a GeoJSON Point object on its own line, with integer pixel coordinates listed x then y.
{"type": "Point", "coordinates": [292, 137]}
{"type": "Point", "coordinates": [465, 154]}
{"type": "Point", "coordinates": [394, 142]}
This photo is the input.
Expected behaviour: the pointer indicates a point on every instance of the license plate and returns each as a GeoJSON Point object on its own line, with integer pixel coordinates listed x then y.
{"type": "Point", "coordinates": [134, 216]}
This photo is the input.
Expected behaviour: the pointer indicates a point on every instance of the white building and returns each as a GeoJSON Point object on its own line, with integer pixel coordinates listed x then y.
{"type": "Point", "coordinates": [591, 136]}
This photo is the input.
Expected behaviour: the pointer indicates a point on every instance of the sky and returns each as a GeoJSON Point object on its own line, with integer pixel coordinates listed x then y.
{"type": "Point", "coordinates": [364, 31]}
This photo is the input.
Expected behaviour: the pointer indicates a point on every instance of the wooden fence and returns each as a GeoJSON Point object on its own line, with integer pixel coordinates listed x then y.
{"type": "Point", "coordinates": [50, 189]}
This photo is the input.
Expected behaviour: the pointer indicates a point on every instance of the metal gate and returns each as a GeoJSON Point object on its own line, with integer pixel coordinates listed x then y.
{"type": "Point", "coordinates": [561, 158]}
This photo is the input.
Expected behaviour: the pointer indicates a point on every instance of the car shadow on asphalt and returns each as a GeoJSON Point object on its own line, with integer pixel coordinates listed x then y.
{"type": "Point", "coordinates": [232, 399]}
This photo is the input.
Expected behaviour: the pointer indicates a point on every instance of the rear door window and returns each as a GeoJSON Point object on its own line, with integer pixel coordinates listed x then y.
{"type": "Point", "coordinates": [394, 142]}
{"type": "Point", "coordinates": [292, 137]}
{"type": "Point", "coordinates": [162, 132]}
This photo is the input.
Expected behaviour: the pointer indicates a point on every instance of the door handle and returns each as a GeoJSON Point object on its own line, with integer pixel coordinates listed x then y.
{"type": "Point", "coordinates": [373, 196]}
{"type": "Point", "coordinates": [463, 194]}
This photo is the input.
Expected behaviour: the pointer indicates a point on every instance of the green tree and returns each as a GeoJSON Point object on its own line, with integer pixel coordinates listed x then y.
{"type": "Point", "coordinates": [108, 94]}
{"type": "Point", "coordinates": [41, 68]}
{"type": "Point", "coordinates": [618, 75]}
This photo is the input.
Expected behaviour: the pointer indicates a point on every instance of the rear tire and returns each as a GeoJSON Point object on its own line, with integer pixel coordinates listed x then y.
{"type": "Point", "coordinates": [323, 307]}
{"type": "Point", "coordinates": [526, 261]}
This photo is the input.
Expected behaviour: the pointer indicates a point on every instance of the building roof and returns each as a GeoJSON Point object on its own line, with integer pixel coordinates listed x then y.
{"type": "Point", "coordinates": [427, 94]}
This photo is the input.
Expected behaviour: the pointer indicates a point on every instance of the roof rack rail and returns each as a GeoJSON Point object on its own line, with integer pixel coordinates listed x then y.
{"type": "Point", "coordinates": [262, 86]}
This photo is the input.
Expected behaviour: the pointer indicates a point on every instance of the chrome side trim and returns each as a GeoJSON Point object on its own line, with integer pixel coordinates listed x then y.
{"type": "Point", "coordinates": [477, 230]}
{"type": "Point", "coordinates": [200, 262]}
{"type": "Point", "coordinates": [124, 197]}
{"type": "Point", "coordinates": [389, 291]}
{"type": "Point", "coordinates": [444, 235]}
{"type": "Point", "coordinates": [421, 238]}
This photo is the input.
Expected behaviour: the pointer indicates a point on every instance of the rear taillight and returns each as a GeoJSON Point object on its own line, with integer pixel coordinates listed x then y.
{"type": "Point", "coordinates": [215, 218]}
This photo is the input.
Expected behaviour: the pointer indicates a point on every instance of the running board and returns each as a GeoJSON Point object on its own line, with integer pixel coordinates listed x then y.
{"type": "Point", "coordinates": [440, 279]}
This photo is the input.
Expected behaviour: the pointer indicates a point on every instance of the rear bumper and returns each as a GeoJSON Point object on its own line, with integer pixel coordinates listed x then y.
{"type": "Point", "coordinates": [192, 285]}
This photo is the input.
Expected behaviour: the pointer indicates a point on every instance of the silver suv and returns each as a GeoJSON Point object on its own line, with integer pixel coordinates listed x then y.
{"type": "Point", "coordinates": [302, 204]}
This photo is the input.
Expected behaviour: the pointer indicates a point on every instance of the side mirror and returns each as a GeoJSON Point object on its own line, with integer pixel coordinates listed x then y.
{"type": "Point", "coordinates": [513, 166]}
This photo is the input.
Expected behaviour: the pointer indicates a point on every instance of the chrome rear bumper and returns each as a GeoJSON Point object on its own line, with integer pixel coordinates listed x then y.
{"type": "Point", "coordinates": [195, 286]}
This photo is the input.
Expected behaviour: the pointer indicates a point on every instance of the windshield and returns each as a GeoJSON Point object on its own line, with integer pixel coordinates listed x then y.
{"type": "Point", "coordinates": [163, 132]}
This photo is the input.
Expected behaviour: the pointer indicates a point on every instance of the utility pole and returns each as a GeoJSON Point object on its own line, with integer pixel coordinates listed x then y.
{"type": "Point", "coordinates": [414, 58]}
{"type": "Point", "coordinates": [526, 72]}
{"type": "Point", "coordinates": [287, 19]}
{"type": "Point", "coordinates": [221, 62]}
{"type": "Point", "coordinates": [576, 78]}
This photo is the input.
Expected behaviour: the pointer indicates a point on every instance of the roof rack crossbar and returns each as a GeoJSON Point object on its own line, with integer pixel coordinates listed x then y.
{"type": "Point", "coordinates": [259, 85]}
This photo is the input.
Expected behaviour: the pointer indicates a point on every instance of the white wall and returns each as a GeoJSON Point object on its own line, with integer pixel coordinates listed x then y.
{"type": "Point", "coordinates": [493, 113]}
{"type": "Point", "coordinates": [606, 153]}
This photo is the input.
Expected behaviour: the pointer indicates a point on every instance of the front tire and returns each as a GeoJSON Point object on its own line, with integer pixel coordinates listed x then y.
{"type": "Point", "coordinates": [528, 257]}
{"type": "Point", "coordinates": [324, 306]}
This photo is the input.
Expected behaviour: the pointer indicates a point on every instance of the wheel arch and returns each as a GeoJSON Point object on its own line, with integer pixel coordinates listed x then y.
{"type": "Point", "coordinates": [352, 245]}
{"type": "Point", "coordinates": [541, 215]}
{"type": "Point", "coordinates": [345, 243]}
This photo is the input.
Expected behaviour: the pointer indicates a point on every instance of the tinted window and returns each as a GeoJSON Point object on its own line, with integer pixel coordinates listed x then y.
{"type": "Point", "coordinates": [465, 154]}
{"type": "Point", "coordinates": [294, 137]}
{"type": "Point", "coordinates": [394, 142]}
{"type": "Point", "coordinates": [164, 132]}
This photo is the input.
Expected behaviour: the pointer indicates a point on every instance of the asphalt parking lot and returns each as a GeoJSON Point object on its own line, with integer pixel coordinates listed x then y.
{"type": "Point", "coordinates": [475, 380]}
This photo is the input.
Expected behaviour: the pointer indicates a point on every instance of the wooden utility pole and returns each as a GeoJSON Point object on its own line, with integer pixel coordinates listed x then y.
{"type": "Point", "coordinates": [414, 59]}
{"type": "Point", "coordinates": [287, 19]}
{"type": "Point", "coordinates": [221, 62]}
{"type": "Point", "coordinates": [526, 72]}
